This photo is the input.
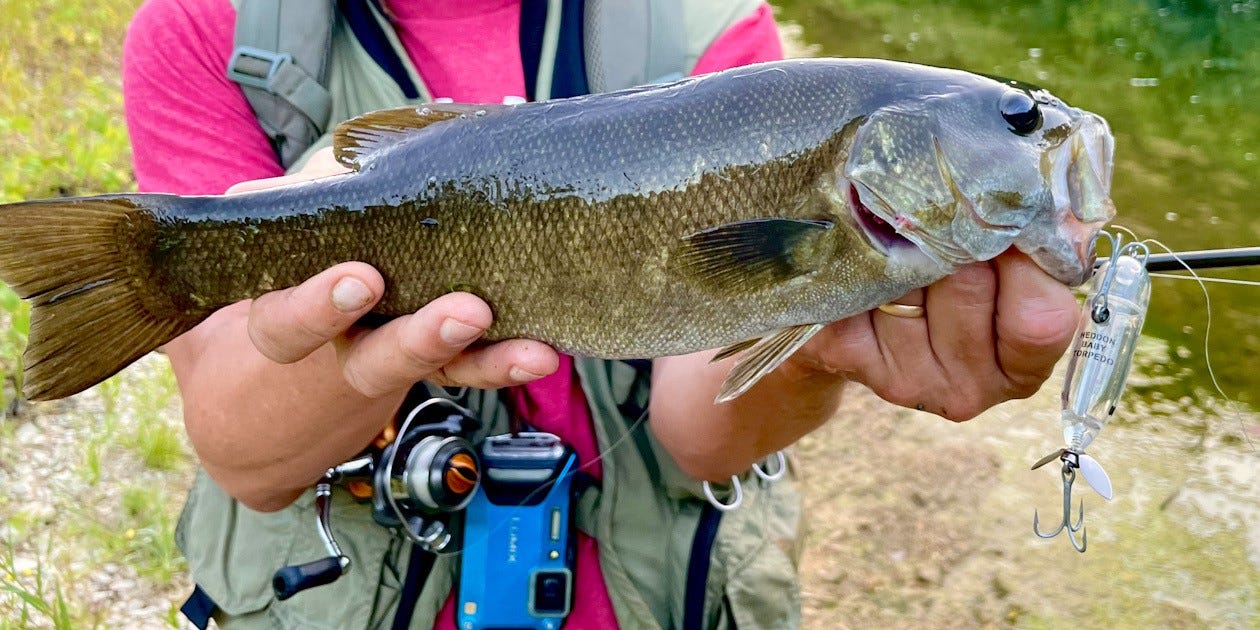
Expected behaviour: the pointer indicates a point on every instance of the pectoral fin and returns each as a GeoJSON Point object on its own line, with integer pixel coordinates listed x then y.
{"type": "Point", "coordinates": [762, 358]}
{"type": "Point", "coordinates": [355, 141]}
{"type": "Point", "coordinates": [747, 255]}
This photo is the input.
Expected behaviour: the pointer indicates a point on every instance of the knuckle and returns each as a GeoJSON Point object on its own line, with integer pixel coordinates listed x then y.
{"type": "Point", "coordinates": [285, 333]}
{"type": "Point", "coordinates": [267, 343]}
{"type": "Point", "coordinates": [420, 354]}
{"type": "Point", "coordinates": [312, 324]}
{"type": "Point", "coordinates": [961, 413]}
{"type": "Point", "coordinates": [966, 401]}
{"type": "Point", "coordinates": [1024, 385]}
{"type": "Point", "coordinates": [974, 279]}
{"type": "Point", "coordinates": [1045, 331]}
{"type": "Point", "coordinates": [902, 393]}
{"type": "Point", "coordinates": [1041, 324]}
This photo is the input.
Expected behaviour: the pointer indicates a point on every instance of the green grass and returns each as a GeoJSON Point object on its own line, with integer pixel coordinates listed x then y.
{"type": "Point", "coordinates": [61, 128]}
{"type": "Point", "coordinates": [15, 322]}
{"type": "Point", "coordinates": [40, 600]}
{"type": "Point", "coordinates": [61, 124]}
{"type": "Point", "coordinates": [147, 541]}
{"type": "Point", "coordinates": [62, 133]}
{"type": "Point", "coordinates": [156, 439]}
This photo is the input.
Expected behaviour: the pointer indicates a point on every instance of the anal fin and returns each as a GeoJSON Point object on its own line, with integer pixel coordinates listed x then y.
{"type": "Point", "coordinates": [734, 349]}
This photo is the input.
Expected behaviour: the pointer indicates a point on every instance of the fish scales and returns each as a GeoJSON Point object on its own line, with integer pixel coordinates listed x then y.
{"type": "Point", "coordinates": [563, 252]}
{"type": "Point", "coordinates": [752, 203]}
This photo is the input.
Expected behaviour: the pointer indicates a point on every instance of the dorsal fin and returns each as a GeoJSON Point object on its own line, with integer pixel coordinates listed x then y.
{"type": "Point", "coordinates": [357, 139]}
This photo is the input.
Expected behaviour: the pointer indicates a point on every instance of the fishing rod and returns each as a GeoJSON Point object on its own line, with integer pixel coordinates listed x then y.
{"type": "Point", "coordinates": [1202, 259]}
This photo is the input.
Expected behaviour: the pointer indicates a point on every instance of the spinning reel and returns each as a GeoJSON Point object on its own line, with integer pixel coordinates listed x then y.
{"type": "Point", "coordinates": [416, 482]}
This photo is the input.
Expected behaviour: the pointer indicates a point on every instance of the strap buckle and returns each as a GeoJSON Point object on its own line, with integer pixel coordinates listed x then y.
{"type": "Point", "coordinates": [256, 67]}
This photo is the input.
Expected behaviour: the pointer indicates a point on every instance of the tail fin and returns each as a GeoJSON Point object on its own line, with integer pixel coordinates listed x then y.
{"type": "Point", "coordinates": [84, 265]}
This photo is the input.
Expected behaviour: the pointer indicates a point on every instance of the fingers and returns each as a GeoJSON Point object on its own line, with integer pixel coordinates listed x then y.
{"type": "Point", "coordinates": [1036, 316]}
{"type": "Point", "coordinates": [903, 341]}
{"type": "Point", "coordinates": [960, 321]}
{"type": "Point", "coordinates": [512, 362]}
{"type": "Point", "coordinates": [288, 325]}
{"type": "Point", "coordinates": [432, 343]}
{"type": "Point", "coordinates": [991, 332]}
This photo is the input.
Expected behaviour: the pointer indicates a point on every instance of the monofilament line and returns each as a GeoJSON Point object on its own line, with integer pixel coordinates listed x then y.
{"type": "Point", "coordinates": [1207, 331]}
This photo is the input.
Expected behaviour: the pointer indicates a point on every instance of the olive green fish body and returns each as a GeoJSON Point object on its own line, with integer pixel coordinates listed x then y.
{"type": "Point", "coordinates": [648, 222]}
{"type": "Point", "coordinates": [568, 234]}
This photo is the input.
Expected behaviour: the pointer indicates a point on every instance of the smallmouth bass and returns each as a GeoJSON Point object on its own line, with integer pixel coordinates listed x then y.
{"type": "Point", "coordinates": [758, 203]}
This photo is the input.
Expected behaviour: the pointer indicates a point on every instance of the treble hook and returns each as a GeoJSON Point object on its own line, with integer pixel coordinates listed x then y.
{"type": "Point", "coordinates": [1069, 475]}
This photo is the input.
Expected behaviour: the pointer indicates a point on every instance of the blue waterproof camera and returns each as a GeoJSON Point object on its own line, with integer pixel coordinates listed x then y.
{"type": "Point", "coordinates": [516, 569]}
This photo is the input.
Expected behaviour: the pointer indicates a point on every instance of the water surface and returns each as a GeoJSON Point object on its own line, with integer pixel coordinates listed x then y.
{"type": "Point", "coordinates": [1180, 544]}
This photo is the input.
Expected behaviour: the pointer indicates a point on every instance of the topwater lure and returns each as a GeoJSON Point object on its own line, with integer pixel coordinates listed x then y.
{"type": "Point", "coordinates": [1110, 324]}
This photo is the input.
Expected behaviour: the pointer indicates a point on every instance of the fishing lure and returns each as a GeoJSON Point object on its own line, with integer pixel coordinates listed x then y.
{"type": "Point", "coordinates": [1110, 324]}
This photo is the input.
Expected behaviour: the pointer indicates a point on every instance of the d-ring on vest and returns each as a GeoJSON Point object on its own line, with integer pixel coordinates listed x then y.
{"type": "Point", "coordinates": [668, 559]}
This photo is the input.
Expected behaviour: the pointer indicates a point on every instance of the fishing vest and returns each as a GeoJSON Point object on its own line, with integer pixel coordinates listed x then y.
{"type": "Point", "coordinates": [669, 558]}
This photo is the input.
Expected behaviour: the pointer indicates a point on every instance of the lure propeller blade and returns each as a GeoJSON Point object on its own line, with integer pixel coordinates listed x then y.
{"type": "Point", "coordinates": [1095, 476]}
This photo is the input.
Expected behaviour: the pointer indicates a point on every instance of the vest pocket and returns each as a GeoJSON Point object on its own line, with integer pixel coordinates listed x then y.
{"type": "Point", "coordinates": [233, 552]}
{"type": "Point", "coordinates": [754, 581]}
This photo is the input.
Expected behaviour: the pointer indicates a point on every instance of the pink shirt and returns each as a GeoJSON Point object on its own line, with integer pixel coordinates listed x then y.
{"type": "Point", "coordinates": [193, 132]}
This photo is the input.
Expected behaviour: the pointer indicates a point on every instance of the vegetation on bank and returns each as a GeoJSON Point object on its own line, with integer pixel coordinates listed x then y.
{"type": "Point", "coordinates": [90, 534]}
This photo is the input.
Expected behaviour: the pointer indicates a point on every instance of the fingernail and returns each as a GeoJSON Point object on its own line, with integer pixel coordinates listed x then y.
{"type": "Point", "coordinates": [350, 295]}
{"type": "Point", "coordinates": [456, 332]}
{"type": "Point", "coordinates": [523, 376]}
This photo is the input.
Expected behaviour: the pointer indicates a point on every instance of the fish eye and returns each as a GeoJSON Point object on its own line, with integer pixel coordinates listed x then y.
{"type": "Point", "coordinates": [1020, 112]}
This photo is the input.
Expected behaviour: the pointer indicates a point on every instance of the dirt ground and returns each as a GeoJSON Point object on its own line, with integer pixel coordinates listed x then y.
{"type": "Point", "coordinates": [889, 497]}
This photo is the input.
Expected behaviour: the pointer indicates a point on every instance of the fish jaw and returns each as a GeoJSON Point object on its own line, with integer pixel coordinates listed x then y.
{"type": "Point", "coordinates": [1079, 170]}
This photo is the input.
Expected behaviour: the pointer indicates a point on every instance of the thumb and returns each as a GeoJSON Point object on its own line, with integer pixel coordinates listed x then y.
{"type": "Point", "coordinates": [288, 325]}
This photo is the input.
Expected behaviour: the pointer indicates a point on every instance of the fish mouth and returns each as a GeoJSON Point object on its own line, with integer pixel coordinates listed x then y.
{"type": "Point", "coordinates": [880, 233]}
{"type": "Point", "coordinates": [1061, 242]}
{"type": "Point", "coordinates": [895, 235]}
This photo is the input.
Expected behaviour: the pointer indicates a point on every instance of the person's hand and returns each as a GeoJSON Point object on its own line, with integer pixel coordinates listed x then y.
{"type": "Point", "coordinates": [431, 344]}
{"type": "Point", "coordinates": [319, 165]}
{"type": "Point", "coordinates": [991, 332]}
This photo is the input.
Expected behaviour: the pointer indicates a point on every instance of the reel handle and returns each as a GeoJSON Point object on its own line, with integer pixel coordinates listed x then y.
{"type": "Point", "coordinates": [293, 579]}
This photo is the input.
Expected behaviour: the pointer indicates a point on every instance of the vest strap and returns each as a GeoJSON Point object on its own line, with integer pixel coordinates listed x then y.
{"type": "Point", "coordinates": [277, 74]}
{"type": "Point", "coordinates": [698, 567]}
{"type": "Point", "coordinates": [199, 608]}
{"type": "Point", "coordinates": [280, 61]}
{"type": "Point", "coordinates": [363, 18]}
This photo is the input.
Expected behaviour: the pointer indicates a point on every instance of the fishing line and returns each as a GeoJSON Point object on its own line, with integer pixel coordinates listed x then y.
{"type": "Point", "coordinates": [1207, 331]}
{"type": "Point", "coordinates": [1251, 283]}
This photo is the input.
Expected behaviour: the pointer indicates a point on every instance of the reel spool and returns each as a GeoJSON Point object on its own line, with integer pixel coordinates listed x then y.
{"type": "Point", "coordinates": [427, 473]}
